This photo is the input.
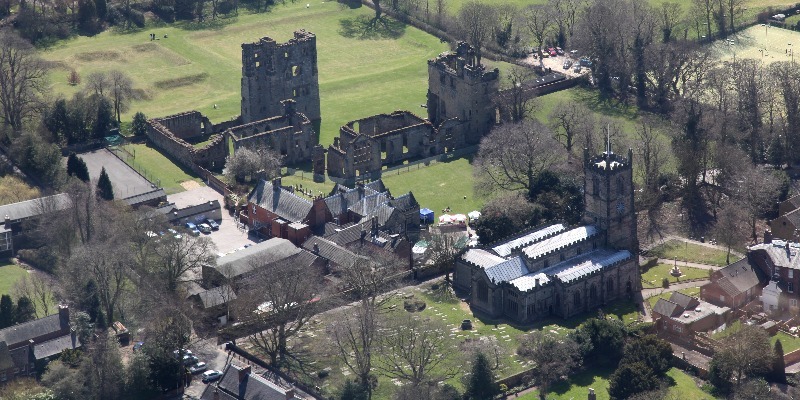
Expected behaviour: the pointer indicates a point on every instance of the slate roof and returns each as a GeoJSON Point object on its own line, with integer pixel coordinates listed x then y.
{"type": "Point", "coordinates": [528, 282]}
{"type": "Point", "coordinates": [405, 202]}
{"type": "Point", "coordinates": [347, 234]}
{"type": "Point", "coordinates": [343, 198]}
{"type": "Point", "coordinates": [369, 205]}
{"type": "Point", "coordinates": [666, 308]}
{"type": "Point", "coordinates": [330, 251]}
{"type": "Point", "coordinates": [481, 258]}
{"type": "Point", "coordinates": [586, 264]}
{"type": "Point", "coordinates": [20, 333]}
{"type": "Point", "coordinates": [173, 213]}
{"type": "Point", "coordinates": [507, 270]}
{"type": "Point", "coordinates": [737, 278]}
{"type": "Point", "coordinates": [260, 254]}
{"type": "Point", "coordinates": [31, 208]}
{"type": "Point", "coordinates": [793, 202]}
{"type": "Point", "coordinates": [216, 296]}
{"type": "Point", "coordinates": [6, 361]}
{"type": "Point", "coordinates": [146, 197]}
{"type": "Point", "coordinates": [505, 248]}
{"type": "Point", "coordinates": [685, 301]}
{"type": "Point", "coordinates": [251, 387]}
{"type": "Point", "coordinates": [776, 251]}
{"type": "Point", "coordinates": [280, 202]}
{"type": "Point", "coordinates": [793, 216]}
{"type": "Point", "coordinates": [563, 239]}
{"type": "Point", "coordinates": [56, 346]}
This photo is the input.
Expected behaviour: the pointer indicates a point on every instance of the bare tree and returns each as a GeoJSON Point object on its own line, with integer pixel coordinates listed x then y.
{"type": "Point", "coordinates": [669, 17]}
{"type": "Point", "coordinates": [107, 265]}
{"type": "Point", "coordinates": [415, 350]}
{"type": "Point", "coordinates": [518, 101]}
{"type": "Point", "coordinates": [476, 21]}
{"type": "Point", "coordinates": [756, 190]}
{"type": "Point", "coordinates": [650, 154]}
{"type": "Point", "coordinates": [571, 121]}
{"type": "Point", "coordinates": [729, 229]}
{"type": "Point", "coordinates": [555, 357]}
{"type": "Point", "coordinates": [37, 289]}
{"type": "Point", "coordinates": [512, 155]}
{"type": "Point", "coordinates": [121, 88]}
{"type": "Point", "coordinates": [704, 9]}
{"type": "Point", "coordinates": [176, 255]}
{"type": "Point", "coordinates": [248, 163]}
{"type": "Point", "coordinates": [355, 336]}
{"type": "Point", "coordinates": [98, 83]}
{"type": "Point", "coordinates": [539, 20]}
{"type": "Point", "coordinates": [286, 297]}
{"type": "Point", "coordinates": [103, 366]}
{"type": "Point", "coordinates": [23, 80]}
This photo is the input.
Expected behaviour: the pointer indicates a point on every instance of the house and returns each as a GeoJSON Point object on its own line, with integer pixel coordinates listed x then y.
{"type": "Point", "coordinates": [557, 270]}
{"type": "Point", "coordinates": [214, 302]}
{"type": "Point", "coordinates": [196, 214]}
{"type": "Point", "coordinates": [335, 257]}
{"type": "Point", "coordinates": [26, 348]}
{"type": "Point", "coordinates": [260, 256]}
{"type": "Point", "coordinates": [276, 211]}
{"type": "Point", "coordinates": [779, 260]}
{"type": "Point", "coordinates": [240, 383]}
{"type": "Point", "coordinates": [17, 215]}
{"type": "Point", "coordinates": [683, 315]}
{"type": "Point", "coordinates": [786, 225]}
{"type": "Point", "coordinates": [733, 286]}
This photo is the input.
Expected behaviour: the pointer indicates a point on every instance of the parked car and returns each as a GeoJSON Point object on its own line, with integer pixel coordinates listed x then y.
{"type": "Point", "coordinates": [559, 51]}
{"type": "Point", "coordinates": [544, 54]}
{"type": "Point", "coordinates": [138, 346]}
{"type": "Point", "coordinates": [585, 62]}
{"type": "Point", "coordinates": [185, 352]}
{"type": "Point", "coordinates": [552, 52]}
{"type": "Point", "coordinates": [204, 228]}
{"type": "Point", "coordinates": [175, 233]}
{"type": "Point", "coordinates": [211, 376]}
{"type": "Point", "coordinates": [567, 64]}
{"type": "Point", "coordinates": [192, 229]}
{"type": "Point", "coordinates": [190, 360]}
{"type": "Point", "coordinates": [213, 224]}
{"type": "Point", "coordinates": [577, 68]}
{"type": "Point", "coordinates": [197, 368]}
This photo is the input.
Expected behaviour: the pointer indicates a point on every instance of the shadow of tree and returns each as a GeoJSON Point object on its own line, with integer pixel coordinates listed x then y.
{"type": "Point", "coordinates": [365, 27]}
{"type": "Point", "coordinates": [210, 24]}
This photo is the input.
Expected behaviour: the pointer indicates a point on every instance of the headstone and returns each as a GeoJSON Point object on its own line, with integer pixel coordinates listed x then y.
{"type": "Point", "coordinates": [592, 395]}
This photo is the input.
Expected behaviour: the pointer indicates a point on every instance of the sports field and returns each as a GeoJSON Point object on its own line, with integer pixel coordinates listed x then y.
{"type": "Point", "coordinates": [766, 43]}
{"type": "Point", "coordinates": [361, 72]}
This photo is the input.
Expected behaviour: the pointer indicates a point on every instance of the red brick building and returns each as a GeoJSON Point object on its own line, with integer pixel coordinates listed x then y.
{"type": "Point", "coordinates": [684, 315]}
{"type": "Point", "coordinates": [734, 286]}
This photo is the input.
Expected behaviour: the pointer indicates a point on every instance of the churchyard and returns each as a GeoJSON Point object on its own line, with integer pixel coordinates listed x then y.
{"type": "Point", "coordinates": [680, 250]}
{"type": "Point", "coordinates": [653, 276]}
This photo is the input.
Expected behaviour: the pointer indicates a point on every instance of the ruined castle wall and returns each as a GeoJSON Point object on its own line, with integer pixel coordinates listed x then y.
{"type": "Point", "coordinates": [160, 133]}
{"type": "Point", "coordinates": [291, 136]}
{"type": "Point", "coordinates": [273, 72]}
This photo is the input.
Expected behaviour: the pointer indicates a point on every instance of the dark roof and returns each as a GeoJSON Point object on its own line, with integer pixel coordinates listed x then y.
{"type": "Point", "coordinates": [405, 202]}
{"type": "Point", "coordinates": [737, 278]}
{"type": "Point", "coordinates": [6, 361]}
{"type": "Point", "coordinates": [56, 346]}
{"type": "Point", "coordinates": [332, 229]}
{"type": "Point", "coordinates": [685, 301]}
{"type": "Point", "coordinates": [667, 308]}
{"type": "Point", "coordinates": [146, 197]}
{"type": "Point", "coordinates": [330, 251]}
{"type": "Point", "coordinates": [21, 357]}
{"type": "Point", "coordinates": [507, 270]}
{"type": "Point", "coordinates": [369, 205]}
{"type": "Point", "coordinates": [280, 201]}
{"type": "Point", "coordinates": [32, 208]}
{"type": "Point", "coordinates": [20, 333]}
{"type": "Point", "coordinates": [250, 387]}
{"type": "Point", "coordinates": [793, 216]}
{"type": "Point", "coordinates": [347, 235]}
{"type": "Point", "coordinates": [216, 296]}
{"type": "Point", "coordinates": [376, 185]}
{"type": "Point", "coordinates": [260, 254]}
{"type": "Point", "coordinates": [793, 202]}
{"type": "Point", "coordinates": [173, 213]}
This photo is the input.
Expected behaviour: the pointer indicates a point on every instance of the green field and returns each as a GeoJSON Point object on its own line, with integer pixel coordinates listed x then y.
{"type": "Point", "coordinates": [196, 69]}
{"type": "Point", "coordinates": [681, 386]}
{"type": "Point", "coordinates": [653, 276]}
{"type": "Point", "coordinates": [157, 168]}
{"type": "Point", "coordinates": [776, 43]}
{"type": "Point", "coordinates": [685, 251]}
{"type": "Point", "coordinates": [789, 343]}
{"type": "Point", "coordinates": [694, 292]}
{"type": "Point", "coordinates": [10, 273]}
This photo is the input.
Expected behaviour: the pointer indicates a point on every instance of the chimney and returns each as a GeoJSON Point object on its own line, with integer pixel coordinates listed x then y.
{"type": "Point", "coordinates": [374, 225]}
{"type": "Point", "coordinates": [536, 282]}
{"type": "Point", "coordinates": [244, 372]}
{"type": "Point", "coordinates": [316, 248]}
{"type": "Point", "coordinates": [767, 236]}
{"type": "Point", "coordinates": [63, 312]}
{"type": "Point", "coordinates": [290, 394]}
{"type": "Point", "coordinates": [276, 184]}
{"type": "Point", "coordinates": [592, 395]}
{"type": "Point", "coordinates": [788, 252]}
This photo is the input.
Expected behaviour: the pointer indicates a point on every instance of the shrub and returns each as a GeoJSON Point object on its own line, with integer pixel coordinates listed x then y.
{"type": "Point", "coordinates": [665, 283]}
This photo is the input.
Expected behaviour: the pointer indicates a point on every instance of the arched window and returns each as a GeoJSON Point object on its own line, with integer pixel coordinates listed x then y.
{"type": "Point", "coordinates": [576, 298]}
{"type": "Point", "coordinates": [610, 285]}
{"type": "Point", "coordinates": [596, 186]}
{"type": "Point", "coordinates": [592, 293]}
{"type": "Point", "coordinates": [620, 186]}
{"type": "Point", "coordinates": [483, 292]}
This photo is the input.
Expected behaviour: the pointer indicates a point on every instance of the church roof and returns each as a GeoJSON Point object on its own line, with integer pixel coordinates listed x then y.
{"type": "Point", "coordinates": [507, 270]}
{"type": "Point", "coordinates": [528, 282]}
{"type": "Point", "coordinates": [586, 264]}
{"type": "Point", "coordinates": [505, 248]}
{"type": "Point", "coordinates": [563, 239]}
{"type": "Point", "coordinates": [481, 258]}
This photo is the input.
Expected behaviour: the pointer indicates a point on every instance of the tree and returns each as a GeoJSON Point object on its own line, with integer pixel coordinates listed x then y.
{"type": "Point", "coordinates": [65, 382]}
{"type": "Point", "coordinates": [512, 155]}
{"type": "Point", "coordinates": [415, 351]}
{"type": "Point", "coordinates": [104, 119]}
{"type": "Point", "coordinates": [506, 215]}
{"type": "Point", "coordinates": [102, 9]}
{"type": "Point", "coordinates": [97, 83]}
{"type": "Point", "coordinates": [651, 351]}
{"type": "Point", "coordinates": [555, 357]}
{"type": "Point", "coordinates": [6, 311]}
{"type": "Point", "coordinates": [25, 310]}
{"type": "Point", "coordinates": [107, 263]}
{"type": "Point", "coordinates": [743, 354]}
{"type": "Point", "coordinates": [630, 379]}
{"type": "Point", "coordinates": [481, 383]}
{"type": "Point", "coordinates": [246, 164]}
{"type": "Point", "coordinates": [175, 256]}
{"type": "Point", "coordinates": [539, 21]}
{"type": "Point", "coordinates": [103, 367]}
{"type": "Point", "coordinates": [74, 79]}
{"type": "Point", "coordinates": [88, 23]}
{"type": "Point", "coordinates": [122, 92]}
{"type": "Point", "coordinates": [476, 21]}
{"type": "Point", "coordinates": [778, 372]}
{"type": "Point", "coordinates": [286, 298]}
{"type": "Point", "coordinates": [601, 340]}
{"type": "Point", "coordinates": [23, 79]}
{"type": "Point", "coordinates": [669, 16]}
{"type": "Point", "coordinates": [168, 329]}
{"type": "Point", "coordinates": [756, 190]}
{"type": "Point", "coordinates": [77, 167]}
{"type": "Point", "coordinates": [352, 391]}
{"type": "Point", "coordinates": [518, 101]}
{"type": "Point", "coordinates": [104, 189]}
{"type": "Point", "coordinates": [139, 124]}
{"type": "Point", "coordinates": [37, 290]}
{"type": "Point", "coordinates": [729, 229]}
{"type": "Point", "coordinates": [570, 123]}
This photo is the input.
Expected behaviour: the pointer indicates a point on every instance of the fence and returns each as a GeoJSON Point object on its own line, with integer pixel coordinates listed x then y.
{"type": "Point", "coordinates": [129, 158]}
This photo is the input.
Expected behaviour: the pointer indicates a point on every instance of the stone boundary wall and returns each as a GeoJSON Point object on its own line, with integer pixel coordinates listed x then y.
{"type": "Point", "coordinates": [160, 133]}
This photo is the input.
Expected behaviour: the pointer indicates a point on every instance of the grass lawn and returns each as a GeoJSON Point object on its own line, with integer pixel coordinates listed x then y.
{"type": "Point", "coordinates": [652, 277]}
{"type": "Point", "coordinates": [693, 291]}
{"type": "Point", "coordinates": [685, 251]}
{"type": "Point", "coordinates": [157, 168]}
{"type": "Point", "coordinates": [775, 41]}
{"type": "Point", "coordinates": [789, 342]}
{"type": "Point", "coordinates": [682, 386]}
{"type": "Point", "coordinates": [10, 273]}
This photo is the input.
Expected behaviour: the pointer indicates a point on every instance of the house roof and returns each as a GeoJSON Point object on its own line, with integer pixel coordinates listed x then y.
{"type": "Point", "coordinates": [737, 278]}
{"type": "Point", "coordinates": [260, 254]}
{"type": "Point", "coordinates": [56, 346]}
{"type": "Point", "coordinates": [146, 197]}
{"type": "Point", "coordinates": [780, 253]}
{"type": "Point", "coordinates": [793, 202]}
{"type": "Point", "coordinates": [505, 248]}
{"type": "Point", "coordinates": [173, 213]}
{"type": "Point", "coordinates": [31, 208]}
{"type": "Point", "coordinates": [343, 198]}
{"type": "Point", "coordinates": [683, 300]}
{"type": "Point", "coordinates": [330, 251]}
{"type": "Point", "coordinates": [20, 333]}
{"type": "Point", "coordinates": [280, 201]}
{"type": "Point", "coordinates": [793, 216]}
{"type": "Point", "coordinates": [6, 361]}
{"type": "Point", "coordinates": [216, 296]}
{"type": "Point", "coordinates": [560, 240]}
{"type": "Point", "coordinates": [666, 308]}
{"type": "Point", "coordinates": [249, 387]}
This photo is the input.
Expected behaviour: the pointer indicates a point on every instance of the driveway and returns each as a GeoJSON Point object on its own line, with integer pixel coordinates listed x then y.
{"type": "Point", "coordinates": [230, 236]}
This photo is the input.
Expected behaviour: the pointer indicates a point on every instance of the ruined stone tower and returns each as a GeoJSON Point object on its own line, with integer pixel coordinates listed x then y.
{"type": "Point", "coordinates": [608, 198]}
{"type": "Point", "coordinates": [273, 72]}
{"type": "Point", "coordinates": [459, 88]}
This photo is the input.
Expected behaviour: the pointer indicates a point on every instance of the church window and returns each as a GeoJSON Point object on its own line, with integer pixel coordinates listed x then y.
{"type": "Point", "coordinates": [620, 186]}
{"type": "Point", "coordinates": [511, 305]}
{"type": "Point", "coordinates": [793, 302]}
{"type": "Point", "coordinates": [592, 293]}
{"type": "Point", "coordinates": [596, 186]}
{"type": "Point", "coordinates": [483, 292]}
{"type": "Point", "coordinates": [610, 285]}
{"type": "Point", "coordinates": [576, 298]}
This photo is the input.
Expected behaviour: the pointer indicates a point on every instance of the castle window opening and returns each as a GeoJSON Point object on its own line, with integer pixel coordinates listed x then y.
{"type": "Point", "coordinates": [295, 70]}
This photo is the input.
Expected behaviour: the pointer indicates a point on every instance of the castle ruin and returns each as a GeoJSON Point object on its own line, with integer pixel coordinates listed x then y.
{"type": "Point", "coordinates": [290, 134]}
{"type": "Point", "coordinates": [174, 133]}
{"type": "Point", "coordinates": [273, 72]}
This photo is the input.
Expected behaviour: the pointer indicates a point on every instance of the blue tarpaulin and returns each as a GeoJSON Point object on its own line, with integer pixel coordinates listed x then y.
{"type": "Point", "coordinates": [426, 216]}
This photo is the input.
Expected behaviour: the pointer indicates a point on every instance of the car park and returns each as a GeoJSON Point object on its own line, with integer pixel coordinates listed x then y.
{"type": "Point", "coordinates": [211, 376]}
{"type": "Point", "coordinates": [213, 224]}
{"type": "Point", "coordinates": [190, 360]}
{"type": "Point", "coordinates": [193, 229]}
{"type": "Point", "coordinates": [567, 64]}
{"type": "Point", "coordinates": [185, 352]}
{"type": "Point", "coordinates": [577, 68]}
{"type": "Point", "coordinates": [197, 368]}
{"type": "Point", "coordinates": [204, 228]}
{"type": "Point", "coordinates": [559, 51]}
{"type": "Point", "coordinates": [552, 52]}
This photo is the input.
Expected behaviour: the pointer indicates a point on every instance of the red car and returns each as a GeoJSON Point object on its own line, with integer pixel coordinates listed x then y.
{"type": "Point", "coordinates": [552, 52]}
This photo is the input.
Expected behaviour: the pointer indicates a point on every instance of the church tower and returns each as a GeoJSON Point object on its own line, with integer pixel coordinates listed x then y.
{"type": "Point", "coordinates": [608, 198]}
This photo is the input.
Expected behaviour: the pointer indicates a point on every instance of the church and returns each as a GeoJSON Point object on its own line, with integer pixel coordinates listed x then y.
{"type": "Point", "coordinates": [560, 270]}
